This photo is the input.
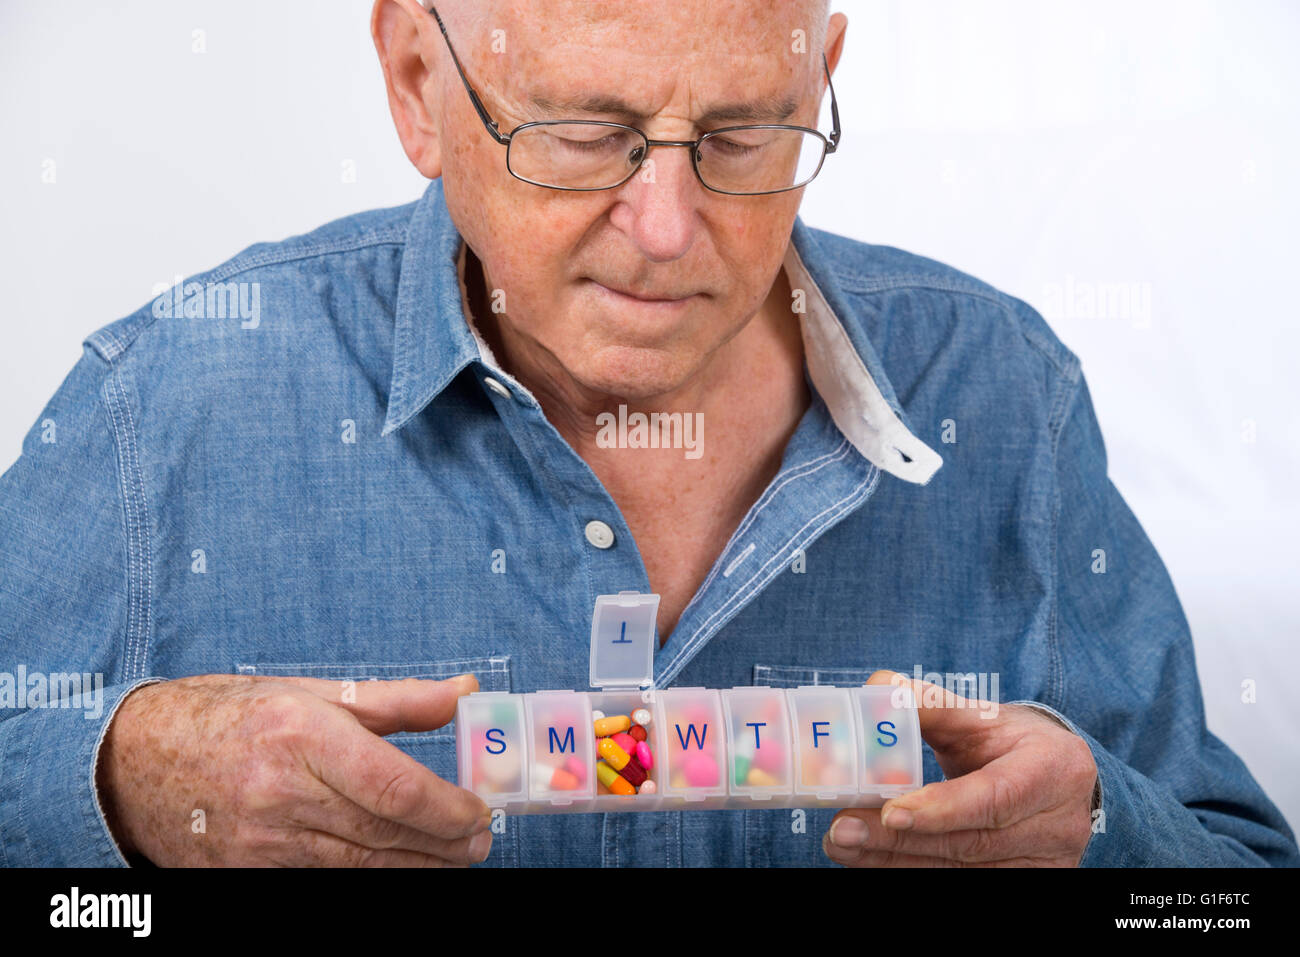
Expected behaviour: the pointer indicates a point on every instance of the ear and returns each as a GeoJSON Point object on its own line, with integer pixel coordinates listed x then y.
{"type": "Point", "coordinates": [407, 40]}
{"type": "Point", "coordinates": [835, 28]}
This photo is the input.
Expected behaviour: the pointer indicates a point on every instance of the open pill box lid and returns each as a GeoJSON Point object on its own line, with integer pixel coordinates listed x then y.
{"type": "Point", "coordinates": [623, 629]}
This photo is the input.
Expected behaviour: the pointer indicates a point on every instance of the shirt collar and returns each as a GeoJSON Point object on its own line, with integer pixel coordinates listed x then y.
{"type": "Point", "coordinates": [434, 340]}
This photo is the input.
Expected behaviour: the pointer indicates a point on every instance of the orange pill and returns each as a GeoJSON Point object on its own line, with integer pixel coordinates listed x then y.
{"type": "Point", "coordinates": [563, 780]}
{"type": "Point", "coordinates": [612, 725]}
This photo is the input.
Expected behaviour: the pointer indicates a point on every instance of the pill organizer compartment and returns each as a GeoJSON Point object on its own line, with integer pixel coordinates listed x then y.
{"type": "Point", "coordinates": [890, 739]}
{"type": "Point", "coordinates": [490, 748]}
{"type": "Point", "coordinates": [561, 742]}
{"type": "Point", "coordinates": [622, 667]}
{"type": "Point", "coordinates": [826, 741]}
{"type": "Point", "coordinates": [758, 738]}
{"type": "Point", "coordinates": [692, 752]}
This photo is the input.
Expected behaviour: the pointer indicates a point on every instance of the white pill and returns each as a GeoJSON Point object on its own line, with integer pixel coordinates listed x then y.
{"type": "Point", "coordinates": [642, 717]}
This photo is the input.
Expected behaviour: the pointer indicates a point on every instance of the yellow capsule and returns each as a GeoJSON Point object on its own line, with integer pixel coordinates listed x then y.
{"type": "Point", "coordinates": [608, 726]}
{"type": "Point", "coordinates": [611, 779]}
{"type": "Point", "coordinates": [758, 778]}
{"type": "Point", "coordinates": [612, 753]}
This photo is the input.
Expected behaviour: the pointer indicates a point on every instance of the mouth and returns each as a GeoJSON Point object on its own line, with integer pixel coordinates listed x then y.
{"type": "Point", "coordinates": [644, 298]}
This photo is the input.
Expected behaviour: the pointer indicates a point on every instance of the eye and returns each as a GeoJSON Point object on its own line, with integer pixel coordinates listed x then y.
{"type": "Point", "coordinates": [600, 145]}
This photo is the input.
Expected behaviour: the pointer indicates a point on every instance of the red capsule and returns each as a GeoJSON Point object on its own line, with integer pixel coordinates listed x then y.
{"type": "Point", "coordinates": [637, 732]}
{"type": "Point", "coordinates": [633, 773]}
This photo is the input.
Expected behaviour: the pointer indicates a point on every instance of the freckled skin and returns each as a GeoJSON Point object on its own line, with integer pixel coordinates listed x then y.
{"type": "Point", "coordinates": [286, 771]}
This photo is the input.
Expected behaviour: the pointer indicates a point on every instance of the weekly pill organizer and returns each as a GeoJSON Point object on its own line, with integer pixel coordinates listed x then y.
{"type": "Point", "coordinates": [754, 747]}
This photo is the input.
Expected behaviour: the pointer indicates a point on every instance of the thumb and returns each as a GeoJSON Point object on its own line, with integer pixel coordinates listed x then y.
{"type": "Point", "coordinates": [386, 707]}
{"type": "Point", "coordinates": [944, 716]}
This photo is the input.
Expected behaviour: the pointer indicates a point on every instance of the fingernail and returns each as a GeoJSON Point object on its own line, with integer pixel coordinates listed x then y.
{"type": "Point", "coordinates": [849, 832]}
{"type": "Point", "coordinates": [899, 818]}
{"type": "Point", "coordinates": [480, 845]}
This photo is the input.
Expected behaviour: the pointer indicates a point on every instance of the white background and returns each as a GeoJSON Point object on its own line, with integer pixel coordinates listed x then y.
{"type": "Point", "coordinates": [1041, 146]}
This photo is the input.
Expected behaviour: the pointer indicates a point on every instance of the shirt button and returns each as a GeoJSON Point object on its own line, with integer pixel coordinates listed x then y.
{"type": "Point", "coordinates": [600, 534]}
{"type": "Point", "coordinates": [496, 386]}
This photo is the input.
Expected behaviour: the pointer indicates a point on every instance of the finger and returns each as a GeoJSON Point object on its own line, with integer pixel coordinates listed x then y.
{"type": "Point", "coordinates": [1004, 792]}
{"type": "Point", "coordinates": [860, 857]}
{"type": "Point", "coordinates": [387, 707]}
{"type": "Point", "coordinates": [307, 848]}
{"type": "Point", "coordinates": [869, 858]}
{"type": "Point", "coordinates": [389, 783]}
{"type": "Point", "coordinates": [1039, 836]}
{"type": "Point", "coordinates": [946, 718]}
{"type": "Point", "coordinates": [332, 813]}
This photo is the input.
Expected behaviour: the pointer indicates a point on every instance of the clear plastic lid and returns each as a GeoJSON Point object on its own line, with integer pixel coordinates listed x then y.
{"type": "Point", "coordinates": [623, 640]}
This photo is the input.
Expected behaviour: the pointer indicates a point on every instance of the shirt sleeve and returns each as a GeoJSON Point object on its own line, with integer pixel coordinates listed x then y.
{"type": "Point", "coordinates": [1169, 793]}
{"type": "Point", "coordinates": [74, 617]}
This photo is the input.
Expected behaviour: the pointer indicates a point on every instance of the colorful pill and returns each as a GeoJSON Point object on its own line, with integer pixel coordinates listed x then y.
{"type": "Point", "coordinates": [632, 772]}
{"type": "Point", "coordinates": [758, 778]}
{"type": "Point", "coordinates": [642, 717]}
{"type": "Point", "coordinates": [597, 715]}
{"type": "Point", "coordinates": [648, 787]}
{"type": "Point", "coordinates": [701, 770]}
{"type": "Point", "coordinates": [615, 756]}
{"type": "Point", "coordinates": [770, 757]}
{"type": "Point", "coordinates": [607, 726]}
{"type": "Point", "coordinates": [637, 732]}
{"type": "Point", "coordinates": [624, 741]}
{"type": "Point", "coordinates": [563, 780]}
{"type": "Point", "coordinates": [742, 769]}
{"type": "Point", "coordinates": [609, 777]}
{"type": "Point", "coordinates": [643, 755]}
{"type": "Point", "coordinates": [577, 767]}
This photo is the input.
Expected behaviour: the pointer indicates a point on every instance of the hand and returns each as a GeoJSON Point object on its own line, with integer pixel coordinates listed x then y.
{"type": "Point", "coordinates": [1019, 793]}
{"type": "Point", "coordinates": [286, 771]}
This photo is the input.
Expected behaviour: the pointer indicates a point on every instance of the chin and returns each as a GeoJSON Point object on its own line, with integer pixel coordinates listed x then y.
{"type": "Point", "coordinates": [632, 373]}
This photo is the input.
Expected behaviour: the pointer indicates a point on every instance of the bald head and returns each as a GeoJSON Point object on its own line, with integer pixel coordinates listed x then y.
{"type": "Point", "coordinates": [631, 288]}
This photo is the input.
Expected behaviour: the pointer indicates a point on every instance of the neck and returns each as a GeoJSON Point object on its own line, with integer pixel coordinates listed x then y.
{"type": "Point", "coordinates": [751, 389]}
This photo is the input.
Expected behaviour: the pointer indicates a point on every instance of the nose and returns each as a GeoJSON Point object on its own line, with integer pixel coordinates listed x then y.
{"type": "Point", "coordinates": [657, 206]}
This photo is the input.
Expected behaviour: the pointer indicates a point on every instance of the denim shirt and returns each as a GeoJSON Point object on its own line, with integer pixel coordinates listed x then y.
{"type": "Point", "coordinates": [320, 470]}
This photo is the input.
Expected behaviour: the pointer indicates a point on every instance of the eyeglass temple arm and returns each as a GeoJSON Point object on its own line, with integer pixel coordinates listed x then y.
{"type": "Point", "coordinates": [483, 114]}
{"type": "Point", "coordinates": [835, 110]}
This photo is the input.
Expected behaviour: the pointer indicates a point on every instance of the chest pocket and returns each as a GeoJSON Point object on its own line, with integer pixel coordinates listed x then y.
{"type": "Point", "coordinates": [435, 749]}
{"type": "Point", "coordinates": [781, 837]}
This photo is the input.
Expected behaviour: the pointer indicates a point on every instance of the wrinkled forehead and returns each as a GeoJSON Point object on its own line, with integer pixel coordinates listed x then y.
{"type": "Point", "coordinates": [748, 59]}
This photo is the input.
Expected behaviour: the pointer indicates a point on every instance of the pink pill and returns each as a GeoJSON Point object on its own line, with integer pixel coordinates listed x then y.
{"type": "Point", "coordinates": [625, 741]}
{"type": "Point", "coordinates": [643, 755]}
{"type": "Point", "coordinates": [701, 770]}
{"type": "Point", "coordinates": [647, 787]}
{"type": "Point", "coordinates": [770, 757]}
{"type": "Point", "coordinates": [577, 767]}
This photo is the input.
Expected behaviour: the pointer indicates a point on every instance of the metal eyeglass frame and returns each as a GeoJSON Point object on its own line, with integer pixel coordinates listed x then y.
{"type": "Point", "coordinates": [829, 144]}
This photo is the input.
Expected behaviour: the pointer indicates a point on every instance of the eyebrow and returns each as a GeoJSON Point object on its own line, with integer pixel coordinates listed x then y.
{"type": "Point", "coordinates": [760, 110]}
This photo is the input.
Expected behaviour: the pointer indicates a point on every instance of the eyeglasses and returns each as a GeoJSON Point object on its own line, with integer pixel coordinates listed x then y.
{"type": "Point", "coordinates": [593, 154]}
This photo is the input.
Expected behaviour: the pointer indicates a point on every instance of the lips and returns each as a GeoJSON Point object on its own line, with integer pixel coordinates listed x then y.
{"type": "Point", "coordinates": [645, 296]}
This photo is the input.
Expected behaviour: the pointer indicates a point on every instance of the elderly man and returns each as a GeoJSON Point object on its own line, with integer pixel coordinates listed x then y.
{"type": "Point", "coordinates": [404, 468]}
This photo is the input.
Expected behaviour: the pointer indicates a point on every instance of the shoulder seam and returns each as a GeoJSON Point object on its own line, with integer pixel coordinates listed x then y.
{"type": "Point", "coordinates": [111, 348]}
{"type": "Point", "coordinates": [1067, 365]}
